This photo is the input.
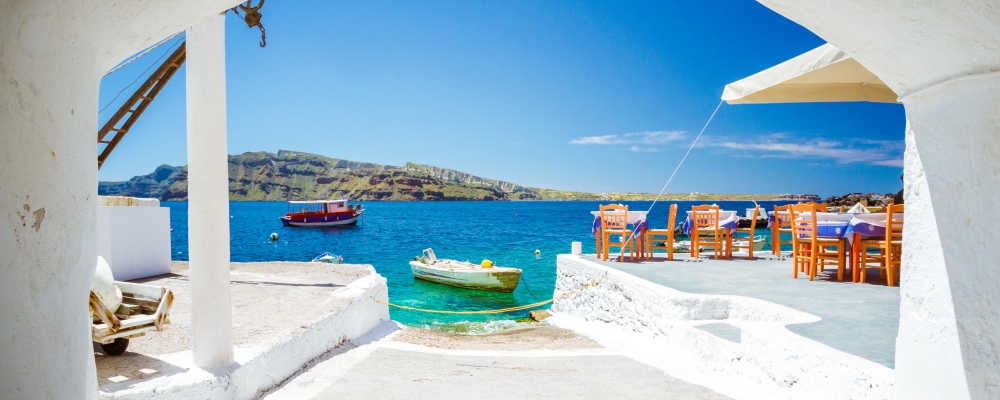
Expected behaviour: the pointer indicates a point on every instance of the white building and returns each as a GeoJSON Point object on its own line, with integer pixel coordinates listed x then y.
{"type": "Point", "coordinates": [942, 57]}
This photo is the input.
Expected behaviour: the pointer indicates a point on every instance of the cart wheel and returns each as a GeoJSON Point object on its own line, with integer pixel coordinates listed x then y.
{"type": "Point", "coordinates": [115, 348]}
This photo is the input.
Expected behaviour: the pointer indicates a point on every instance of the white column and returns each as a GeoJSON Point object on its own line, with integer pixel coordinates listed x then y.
{"type": "Point", "coordinates": [208, 195]}
{"type": "Point", "coordinates": [949, 340]}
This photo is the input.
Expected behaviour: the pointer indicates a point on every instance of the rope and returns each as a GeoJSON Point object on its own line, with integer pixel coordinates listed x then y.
{"type": "Point", "coordinates": [499, 311]}
{"type": "Point", "coordinates": [157, 62]}
{"type": "Point", "coordinates": [136, 57]}
{"type": "Point", "coordinates": [621, 252]}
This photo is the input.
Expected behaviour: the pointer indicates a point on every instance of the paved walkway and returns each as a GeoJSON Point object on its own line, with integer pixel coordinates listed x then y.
{"type": "Point", "coordinates": [857, 318]}
{"type": "Point", "coordinates": [390, 369]}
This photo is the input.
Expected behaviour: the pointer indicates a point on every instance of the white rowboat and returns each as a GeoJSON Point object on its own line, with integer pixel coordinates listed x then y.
{"type": "Point", "coordinates": [464, 274]}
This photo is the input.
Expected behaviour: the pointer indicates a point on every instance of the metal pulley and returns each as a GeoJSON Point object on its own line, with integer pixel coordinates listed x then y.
{"type": "Point", "coordinates": [252, 18]}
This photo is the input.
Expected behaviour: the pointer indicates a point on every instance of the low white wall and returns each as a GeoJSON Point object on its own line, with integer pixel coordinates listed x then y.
{"type": "Point", "coordinates": [770, 360]}
{"type": "Point", "coordinates": [135, 241]}
{"type": "Point", "coordinates": [258, 370]}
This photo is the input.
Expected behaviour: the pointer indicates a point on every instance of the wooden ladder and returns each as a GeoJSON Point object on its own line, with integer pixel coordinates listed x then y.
{"type": "Point", "coordinates": [133, 108]}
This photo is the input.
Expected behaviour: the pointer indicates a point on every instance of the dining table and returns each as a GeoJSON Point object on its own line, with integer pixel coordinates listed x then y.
{"type": "Point", "coordinates": [728, 220]}
{"type": "Point", "coordinates": [635, 218]}
{"type": "Point", "coordinates": [855, 227]}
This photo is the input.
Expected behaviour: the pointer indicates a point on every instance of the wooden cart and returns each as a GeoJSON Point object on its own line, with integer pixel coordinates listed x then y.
{"type": "Point", "coordinates": [144, 308]}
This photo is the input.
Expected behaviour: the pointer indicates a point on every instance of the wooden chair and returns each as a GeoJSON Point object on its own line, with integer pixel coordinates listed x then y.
{"type": "Point", "coordinates": [821, 206]}
{"type": "Point", "coordinates": [737, 243]}
{"type": "Point", "coordinates": [616, 224]}
{"type": "Point", "coordinates": [665, 236]}
{"type": "Point", "coordinates": [810, 250]}
{"type": "Point", "coordinates": [705, 231]}
{"type": "Point", "coordinates": [782, 224]}
{"type": "Point", "coordinates": [890, 248]}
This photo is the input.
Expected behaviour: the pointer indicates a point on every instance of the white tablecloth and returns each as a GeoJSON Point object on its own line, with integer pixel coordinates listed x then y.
{"type": "Point", "coordinates": [633, 216]}
{"type": "Point", "coordinates": [827, 217]}
{"type": "Point", "coordinates": [877, 219]}
{"type": "Point", "coordinates": [724, 217]}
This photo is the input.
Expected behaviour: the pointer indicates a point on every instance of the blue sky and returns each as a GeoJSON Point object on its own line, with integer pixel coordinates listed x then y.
{"type": "Point", "coordinates": [591, 96]}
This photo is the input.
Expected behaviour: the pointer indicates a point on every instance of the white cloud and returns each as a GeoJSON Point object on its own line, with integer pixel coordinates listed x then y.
{"type": "Point", "coordinates": [655, 137]}
{"type": "Point", "coordinates": [873, 152]}
{"type": "Point", "coordinates": [637, 141]}
{"type": "Point", "coordinates": [605, 140]}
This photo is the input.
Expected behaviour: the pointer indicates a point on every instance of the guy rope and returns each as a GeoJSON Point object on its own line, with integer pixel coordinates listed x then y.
{"type": "Point", "coordinates": [632, 238]}
{"type": "Point", "coordinates": [498, 311]}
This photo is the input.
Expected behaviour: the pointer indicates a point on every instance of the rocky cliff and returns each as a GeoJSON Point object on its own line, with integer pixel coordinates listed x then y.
{"type": "Point", "coordinates": [874, 199]}
{"type": "Point", "coordinates": [462, 177]}
{"type": "Point", "coordinates": [150, 186]}
{"type": "Point", "coordinates": [291, 175]}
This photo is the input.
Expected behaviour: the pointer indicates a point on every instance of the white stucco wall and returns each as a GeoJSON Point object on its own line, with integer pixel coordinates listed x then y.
{"type": "Point", "coordinates": [928, 355]}
{"type": "Point", "coordinates": [941, 57]}
{"type": "Point", "coordinates": [52, 57]}
{"type": "Point", "coordinates": [135, 241]}
{"type": "Point", "coordinates": [956, 128]}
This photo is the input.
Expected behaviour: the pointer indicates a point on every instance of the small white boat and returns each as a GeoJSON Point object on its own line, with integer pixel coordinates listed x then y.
{"type": "Point", "coordinates": [464, 274]}
{"type": "Point", "coordinates": [326, 257]}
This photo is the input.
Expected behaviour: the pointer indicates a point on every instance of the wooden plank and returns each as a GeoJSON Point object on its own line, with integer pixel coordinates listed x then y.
{"type": "Point", "coordinates": [143, 97]}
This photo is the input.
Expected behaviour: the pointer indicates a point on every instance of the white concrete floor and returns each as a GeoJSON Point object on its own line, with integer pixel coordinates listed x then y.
{"type": "Point", "coordinates": [388, 365]}
{"type": "Point", "coordinates": [274, 303]}
{"type": "Point", "coordinates": [856, 318]}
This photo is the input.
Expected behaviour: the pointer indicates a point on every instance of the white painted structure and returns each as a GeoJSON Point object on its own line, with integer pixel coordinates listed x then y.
{"type": "Point", "coordinates": [52, 57]}
{"type": "Point", "coordinates": [355, 311]}
{"type": "Point", "coordinates": [135, 241]}
{"type": "Point", "coordinates": [658, 325]}
{"type": "Point", "coordinates": [208, 194]}
{"type": "Point", "coordinates": [942, 58]}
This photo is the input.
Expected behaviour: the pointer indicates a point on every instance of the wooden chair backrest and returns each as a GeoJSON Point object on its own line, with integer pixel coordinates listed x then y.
{"type": "Point", "coordinates": [672, 222]}
{"type": "Point", "coordinates": [753, 218]}
{"type": "Point", "coordinates": [805, 228]}
{"type": "Point", "coordinates": [893, 227]}
{"type": "Point", "coordinates": [614, 221]}
{"type": "Point", "coordinates": [783, 217]}
{"type": "Point", "coordinates": [705, 217]}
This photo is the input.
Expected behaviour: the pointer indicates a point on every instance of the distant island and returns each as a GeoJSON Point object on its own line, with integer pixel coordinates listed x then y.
{"type": "Point", "coordinates": [293, 175]}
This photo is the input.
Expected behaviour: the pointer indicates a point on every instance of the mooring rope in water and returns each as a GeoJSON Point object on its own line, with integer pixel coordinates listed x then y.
{"type": "Point", "coordinates": [621, 252]}
{"type": "Point", "coordinates": [499, 311]}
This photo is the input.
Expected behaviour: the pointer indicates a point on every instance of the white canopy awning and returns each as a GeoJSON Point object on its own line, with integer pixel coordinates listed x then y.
{"type": "Point", "coordinates": [824, 74]}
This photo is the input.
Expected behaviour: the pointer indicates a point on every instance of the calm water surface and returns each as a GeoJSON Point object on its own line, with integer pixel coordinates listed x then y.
{"type": "Point", "coordinates": [392, 233]}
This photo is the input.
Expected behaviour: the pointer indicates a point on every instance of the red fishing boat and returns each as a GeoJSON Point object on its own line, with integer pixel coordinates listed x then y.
{"type": "Point", "coordinates": [321, 213]}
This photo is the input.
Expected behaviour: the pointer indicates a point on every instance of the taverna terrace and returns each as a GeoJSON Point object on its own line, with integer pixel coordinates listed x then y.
{"type": "Point", "coordinates": [728, 328]}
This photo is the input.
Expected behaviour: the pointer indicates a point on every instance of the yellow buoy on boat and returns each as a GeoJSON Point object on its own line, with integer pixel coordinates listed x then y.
{"type": "Point", "coordinates": [486, 263]}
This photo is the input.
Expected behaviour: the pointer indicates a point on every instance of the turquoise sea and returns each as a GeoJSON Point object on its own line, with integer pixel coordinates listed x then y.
{"type": "Point", "coordinates": [392, 233]}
